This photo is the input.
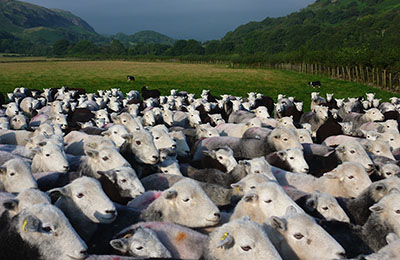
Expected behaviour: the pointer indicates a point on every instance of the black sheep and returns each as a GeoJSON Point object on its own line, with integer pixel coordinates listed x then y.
{"type": "Point", "coordinates": [12, 246]}
{"type": "Point", "coordinates": [150, 93]}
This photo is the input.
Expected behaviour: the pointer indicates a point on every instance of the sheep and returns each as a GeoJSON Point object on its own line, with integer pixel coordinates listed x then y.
{"type": "Point", "coordinates": [219, 195]}
{"type": "Point", "coordinates": [16, 176]}
{"type": "Point", "coordinates": [392, 138]}
{"type": "Point", "coordinates": [104, 159]}
{"type": "Point", "coordinates": [316, 118]}
{"type": "Point", "coordinates": [168, 162]}
{"type": "Point", "coordinates": [49, 157]}
{"type": "Point", "coordinates": [237, 130]}
{"type": "Point", "coordinates": [4, 123]}
{"type": "Point", "coordinates": [182, 147]}
{"type": "Point", "coordinates": [277, 139]}
{"type": "Point", "coordinates": [358, 119]}
{"type": "Point", "coordinates": [18, 122]}
{"type": "Point", "coordinates": [266, 200]}
{"type": "Point", "coordinates": [357, 208]}
{"type": "Point", "coordinates": [240, 116]}
{"type": "Point", "coordinates": [147, 93]}
{"type": "Point", "coordinates": [378, 148]}
{"type": "Point", "coordinates": [297, 236]}
{"type": "Point", "coordinates": [14, 137]}
{"type": "Point", "coordinates": [140, 143]}
{"type": "Point", "coordinates": [179, 241]}
{"type": "Point", "coordinates": [161, 139]}
{"type": "Point", "coordinates": [289, 159]}
{"type": "Point", "coordinates": [40, 232]}
{"type": "Point", "coordinates": [85, 204]}
{"type": "Point", "coordinates": [323, 206]}
{"type": "Point", "coordinates": [185, 203]}
{"type": "Point", "coordinates": [349, 179]}
{"type": "Point", "coordinates": [11, 109]}
{"type": "Point", "coordinates": [239, 239]}
{"type": "Point", "coordinates": [250, 182]}
{"type": "Point", "coordinates": [388, 252]}
{"type": "Point", "coordinates": [25, 199]}
{"type": "Point", "coordinates": [124, 181]}
{"type": "Point", "coordinates": [388, 170]}
{"type": "Point", "coordinates": [140, 242]}
{"type": "Point", "coordinates": [353, 151]}
{"type": "Point", "coordinates": [126, 120]}
{"type": "Point", "coordinates": [304, 136]}
{"type": "Point", "coordinates": [383, 220]}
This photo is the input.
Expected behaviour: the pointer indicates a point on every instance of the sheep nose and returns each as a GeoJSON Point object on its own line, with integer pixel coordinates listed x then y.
{"type": "Point", "coordinates": [341, 255]}
{"type": "Point", "coordinates": [83, 253]}
{"type": "Point", "coordinates": [173, 146]}
{"type": "Point", "coordinates": [306, 169]}
{"type": "Point", "coordinates": [155, 157]}
{"type": "Point", "coordinates": [66, 167]}
{"type": "Point", "coordinates": [217, 215]}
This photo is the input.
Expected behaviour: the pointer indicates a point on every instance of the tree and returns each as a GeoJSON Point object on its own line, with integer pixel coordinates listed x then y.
{"type": "Point", "coordinates": [60, 47]}
{"type": "Point", "coordinates": [117, 48]}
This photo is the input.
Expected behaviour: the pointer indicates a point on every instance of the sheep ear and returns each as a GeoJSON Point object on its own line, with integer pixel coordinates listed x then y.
{"type": "Point", "coordinates": [377, 208]}
{"type": "Point", "coordinates": [250, 197]}
{"type": "Point", "coordinates": [290, 210]}
{"type": "Point", "coordinates": [391, 237]}
{"type": "Point", "coordinates": [43, 143]}
{"type": "Point", "coordinates": [35, 151]}
{"type": "Point", "coordinates": [226, 241]}
{"type": "Point", "coordinates": [31, 224]}
{"type": "Point", "coordinates": [210, 153]}
{"type": "Point", "coordinates": [170, 194]}
{"type": "Point", "coordinates": [127, 137]}
{"type": "Point", "coordinates": [109, 174]}
{"type": "Point", "coordinates": [11, 204]}
{"type": "Point", "coordinates": [278, 223]}
{"type": "Point", "coordinates": [330, 175]}
{"type": "Point", "coordinates": [381, 187]}
{"type": "Point", "coordinates": [91, 153]}
{"type": "Point", "coordinates": [312, 202]}
{"type": "Point", "coordinates": [282, 155]}
{"type": "Point", "coordinates": [340, 149]}
{"type": "Point", "coordinates": [56, 193]}
{"type": "Point", "coordinates": [236, 186]}
{"type": "Point", "coordinates": [120, 244]}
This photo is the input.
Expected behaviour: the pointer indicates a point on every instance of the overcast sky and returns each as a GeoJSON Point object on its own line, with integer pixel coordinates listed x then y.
{"type": "Point", "coordinates": [180, 19]}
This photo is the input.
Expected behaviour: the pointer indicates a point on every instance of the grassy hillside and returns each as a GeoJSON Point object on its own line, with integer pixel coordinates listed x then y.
{"type": "Point", "coordinates": [143, 37]}
{"type": "Point", "coordinates": [328, 31]}
{"type": "Point", "coordinates": [94, 75]}
{"type": "Point", "coordinates": [39, 24]}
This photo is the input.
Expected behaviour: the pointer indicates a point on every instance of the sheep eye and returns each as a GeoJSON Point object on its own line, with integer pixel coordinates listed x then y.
{"type": "Point", "coordinates": [267, 201]}
{"type": "Point", "coordinates": [157, 138]}
{"type": "Point", "coordinates": [186, 200]}
{"type": "Point", "coordinates": [298, 236]}
{"type": "Point", "coordinates": [115, 132]}
{"type": "Point", "coordinates": [398, 211]}
{"type": "Point", "coordinates": [138, 142]}
{"type": "Point", "coordinates": [291, 158]}
{"type": "Point", "coordinates": [388, 173]}
{"type": "Point", "coordinates": [12, 174]}
{"type": "Point", "coordinates": [124, 121]}
{"type": "Point", "coordinates": [105, 158]}
{"type": "Point", "coordinates": [220, 157]}
{"type": "Point", "coordinates": [123, 180]}
{"type": "Point", "coordinates": [80, 195]}
{"type": "Point", "coordinates": [252, 187]}
{"type": "Point", "coordinates": [352, 151]}
{"type": "Point", "coordinates": [246, 248]}
{"type": "Point", "coordinates": [285, 139]}
{"type": "Point", "coordinates": [325, 208]}
{"type": "Point", "coordinates": [47, 155]}
{"type": "Point", "coordinates": [351, 177]}
{"type": "Point", "coordinates": [139, 248]}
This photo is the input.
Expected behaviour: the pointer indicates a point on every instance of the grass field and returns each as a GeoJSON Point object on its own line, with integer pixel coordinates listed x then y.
{"type": "Point", "coordinates": [220, 79]}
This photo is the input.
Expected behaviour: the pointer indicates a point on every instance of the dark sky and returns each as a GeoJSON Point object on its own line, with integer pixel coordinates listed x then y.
{"type": "Point", "coordinates": [180, 19]}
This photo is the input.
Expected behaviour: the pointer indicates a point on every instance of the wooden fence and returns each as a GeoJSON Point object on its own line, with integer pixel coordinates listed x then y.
{"type": "Point", "coordinates": [381, 78]}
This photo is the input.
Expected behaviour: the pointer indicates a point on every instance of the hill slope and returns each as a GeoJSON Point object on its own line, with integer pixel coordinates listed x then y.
{"type": "Point", "coordinates": [144, 37]}
{"type": "Point", "coordinates": [39, 24]}
{"type": "Point", "coordinates": [360, 29]}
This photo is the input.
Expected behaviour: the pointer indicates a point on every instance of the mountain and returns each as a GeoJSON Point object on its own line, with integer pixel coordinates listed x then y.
{"type": "Point", "coordinates": [365, 31]}
{"type": "Point", "coordinates": [39, 24]}
{"type": "Point", "coordinates": [143, 37]}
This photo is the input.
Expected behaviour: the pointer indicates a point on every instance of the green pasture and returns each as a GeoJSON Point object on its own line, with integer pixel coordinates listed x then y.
{"type": "Point", "coordinates": [220, 79]}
